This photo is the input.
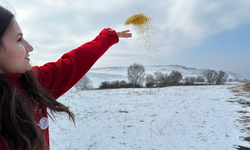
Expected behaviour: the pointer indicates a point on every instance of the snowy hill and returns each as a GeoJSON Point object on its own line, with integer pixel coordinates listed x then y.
{"type": "Point", "coordinates": [98, 75]}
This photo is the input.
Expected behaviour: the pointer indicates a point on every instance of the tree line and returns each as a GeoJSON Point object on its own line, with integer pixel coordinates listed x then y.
{"type": "Point", "coordinates": [137, 76]}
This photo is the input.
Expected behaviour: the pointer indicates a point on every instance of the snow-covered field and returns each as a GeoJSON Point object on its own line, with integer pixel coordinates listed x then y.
{"type": "Point", "coordinates": [171, 118]}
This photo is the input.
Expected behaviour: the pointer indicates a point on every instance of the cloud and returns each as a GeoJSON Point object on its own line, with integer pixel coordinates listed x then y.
{"type": "Point", "coordinates": [187, 24]}
{"type": "Point", "coordinates": [195, 20]}
{"type": "Point", "coordinates": [59, 26]}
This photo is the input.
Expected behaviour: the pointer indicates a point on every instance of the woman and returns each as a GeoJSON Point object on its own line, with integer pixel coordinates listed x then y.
{"type": "Point", "coordinates": [26, 92]}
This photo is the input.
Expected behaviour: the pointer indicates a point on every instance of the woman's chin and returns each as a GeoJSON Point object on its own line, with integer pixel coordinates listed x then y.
{"type": "Point", "coordinates": [29, 67]}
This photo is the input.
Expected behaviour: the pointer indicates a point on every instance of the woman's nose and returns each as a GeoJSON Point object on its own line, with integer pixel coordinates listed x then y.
{"type": "Point", "coordinates": [28, 47]}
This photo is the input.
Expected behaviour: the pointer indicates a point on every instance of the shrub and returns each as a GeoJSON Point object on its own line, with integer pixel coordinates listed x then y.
{"type": "Point", "coordinates": [246, 87]}
{"type": "Point", "coordinates": [130, 85]}
{"type": "Point", "coordinates": [105, 85]}
{"type": "Point", "coordinates": [84, 84]}
{"type": "Point", "coordinates": [123, 83]}
{"type": "Point", "coordinates": [116, 85]}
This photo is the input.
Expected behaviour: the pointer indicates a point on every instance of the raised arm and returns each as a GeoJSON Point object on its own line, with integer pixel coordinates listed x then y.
{"type": "Point", "coordinates": [58, 77]}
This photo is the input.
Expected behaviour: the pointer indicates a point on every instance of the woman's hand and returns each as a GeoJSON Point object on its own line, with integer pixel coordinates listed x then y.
{"type": "Point", "coordinates": [124, 34]}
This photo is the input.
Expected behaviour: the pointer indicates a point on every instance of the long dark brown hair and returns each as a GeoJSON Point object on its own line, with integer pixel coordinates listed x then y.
{"type": "Point", "coordinates": [18, 130]}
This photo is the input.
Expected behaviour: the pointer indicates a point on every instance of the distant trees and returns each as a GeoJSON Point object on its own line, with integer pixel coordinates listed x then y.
{"type": "Point", "coordinates": [123, 83]}
{"type": "Point", "coordinates": [175, 77]}
{"type": "Point", "coordinates": [159, 77]}
{"type": "Point", "coordinates": [136, 76]}
{"type": "Point", "coordinates": [245, 80]}
{"type": "Point", "coordinates": [160, 80]}
{"type": "Point", "coordinates": [221, 77]}
{"type": "Point", "coordinates": [150, 80]}
{"type": "Point", "coordinates": [84, 84]}
{"type": "Point", "coordinates": [105, 85]}
{"type": "Point", "coordinates": [115, 85]}
{"type": "Point", "coordinates": [189, 80]}
{"type": "Point", "coordinates": [210, 75]}
{"type": "Point", "coordinates": [199, 79]}
{"type": "Point", "coordinates": [166, 79]}
{"type": "Point", "coordinates": [215, 77]}
{"type": "Point", "coordinates": [136, 73]}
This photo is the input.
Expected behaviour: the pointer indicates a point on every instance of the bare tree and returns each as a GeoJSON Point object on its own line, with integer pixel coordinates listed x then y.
{"type": "Point", "coordinates": [210, 75]}
{"type": "Point", "coordinates": [166, 78]}
{"type": "Point", "coordinates": [186, 80]}
{"type": "Point", "coordinates": [175, 77]}
{"type": "Point", "coordinates": [159, 77]}
{"type": "Point", "coordinates": [221, 77]}
{"type": "Point", "coordinates": [192, 79]}
{"type": "Point", "coordinates": [200, 79]}
{"type": "Point", "coordinates": [189, 80]}
{"type": "Point", "coordinates": [84, 84]}
{"type": "Point", "coordinates": [150, 80]}
{"type": "Point", "coordinates": [136, 73]}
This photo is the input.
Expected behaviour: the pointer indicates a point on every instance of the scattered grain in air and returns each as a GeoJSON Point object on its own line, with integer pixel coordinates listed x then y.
{"type": "Point", "coordinates": [145, 35]}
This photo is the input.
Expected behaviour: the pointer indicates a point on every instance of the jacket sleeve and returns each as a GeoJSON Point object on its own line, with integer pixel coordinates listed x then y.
{"type": "Point", "coordinates": [58, 77]}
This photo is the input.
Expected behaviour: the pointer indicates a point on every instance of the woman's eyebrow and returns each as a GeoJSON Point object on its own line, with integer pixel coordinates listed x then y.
{"type": "Point", "coordinates": [21, 34]}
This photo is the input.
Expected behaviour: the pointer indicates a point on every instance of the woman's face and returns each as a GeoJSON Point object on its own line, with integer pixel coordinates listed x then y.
{"type": "Point", "coordinates": [14, 54]}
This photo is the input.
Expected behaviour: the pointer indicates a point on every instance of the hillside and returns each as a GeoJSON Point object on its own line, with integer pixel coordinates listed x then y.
{"type": "Point", "coordinates": [98, 75]}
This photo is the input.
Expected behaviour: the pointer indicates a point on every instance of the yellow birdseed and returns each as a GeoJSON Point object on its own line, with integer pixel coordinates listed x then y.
{"type": "Point", "coordinates": [145, 34]}
{"type": "Point", "coordinates": [137, 19]}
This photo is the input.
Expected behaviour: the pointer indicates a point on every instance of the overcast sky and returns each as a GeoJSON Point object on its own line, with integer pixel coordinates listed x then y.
{"type": "Point", "coordinates": [209, 34]}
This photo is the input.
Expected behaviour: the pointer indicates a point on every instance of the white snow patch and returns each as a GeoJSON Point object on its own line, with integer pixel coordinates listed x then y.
{"type": "Point", "coordinates": [171, 118]}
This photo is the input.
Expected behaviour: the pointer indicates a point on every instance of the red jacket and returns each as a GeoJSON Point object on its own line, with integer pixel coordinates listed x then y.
{"type": "Point", "coordinates": [58, 77]}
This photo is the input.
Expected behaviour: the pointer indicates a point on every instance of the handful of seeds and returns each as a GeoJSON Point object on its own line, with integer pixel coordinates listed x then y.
{"type": "Point", "coordinates": [145, 35]}
{"type": "Point", "coordinates": [137, 19]}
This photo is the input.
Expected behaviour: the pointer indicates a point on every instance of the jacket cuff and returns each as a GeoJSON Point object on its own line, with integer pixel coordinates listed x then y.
{"type": "Point", "coordinates": [110, 32]}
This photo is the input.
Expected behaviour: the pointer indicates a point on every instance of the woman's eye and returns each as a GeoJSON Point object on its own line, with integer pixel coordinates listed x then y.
{"type": "Point", "coordinates": [19, 40]}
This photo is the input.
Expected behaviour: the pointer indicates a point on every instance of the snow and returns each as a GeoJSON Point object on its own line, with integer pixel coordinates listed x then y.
{"type": "Point", "coordinates": [171, 118]}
